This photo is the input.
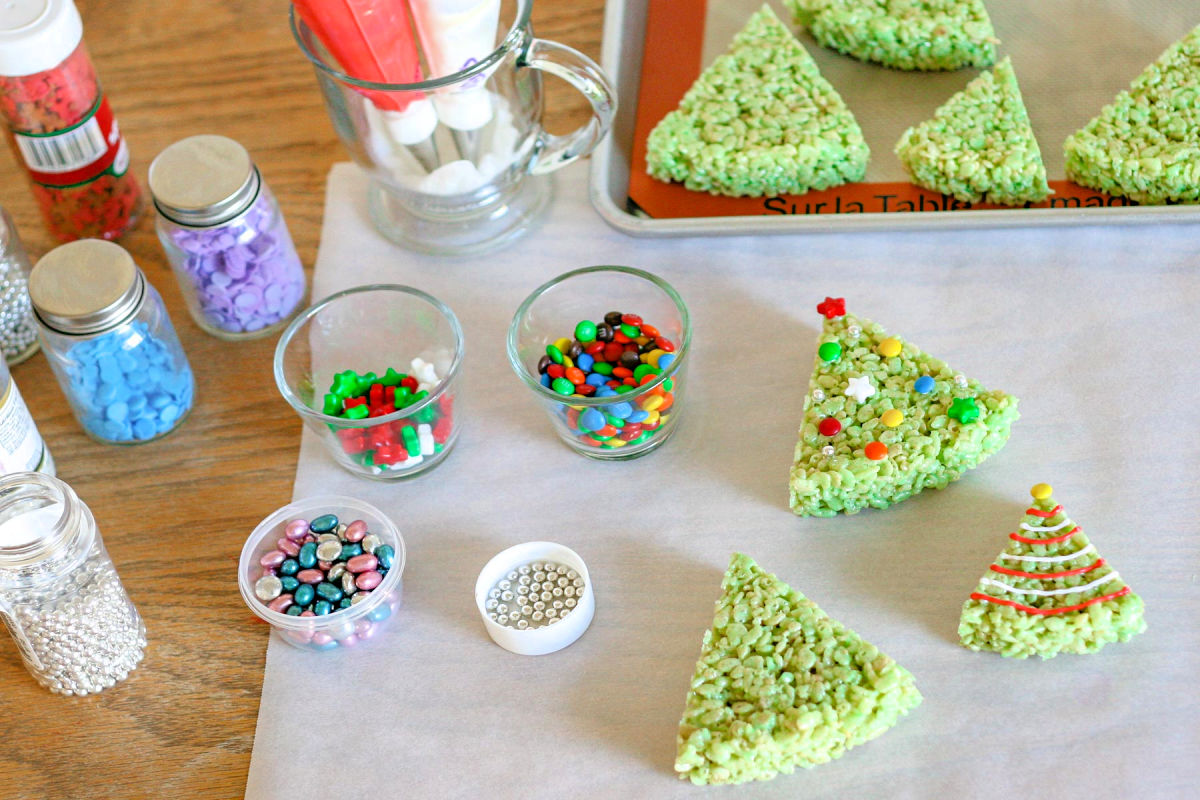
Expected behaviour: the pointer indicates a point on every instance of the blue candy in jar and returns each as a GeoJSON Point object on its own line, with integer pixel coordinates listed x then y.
{"type": "Point", "coordinates": [225, 238]}
{"type": "Point", "coordinates": [110, 342]}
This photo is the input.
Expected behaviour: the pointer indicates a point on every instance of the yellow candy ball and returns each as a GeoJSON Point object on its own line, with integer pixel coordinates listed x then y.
{"type": "Point", "coordinates": [1041, 491]}
{"type": "Point", "coordinates": [889, 348]}
{"type": "Point", "coordinates": [892, 417]}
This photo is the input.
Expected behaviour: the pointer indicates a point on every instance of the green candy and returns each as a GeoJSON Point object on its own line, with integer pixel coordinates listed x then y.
{"type": "Point", "coordinates": [426, 414]}
{"type": "Point", "coordinates": [585, 331]}
{"type": "Point", "coordinates": [349, 551]}
{"type": "Point", "coordinates": [294, 610]}
{"type": "Point", "coordinates": [616, 422]}
{"type": "Point", "coordinates": [403, 396]}
{"type": "Point", "coordinates": [365, 381]}
{"type": "Point", "coordinates": [289, 583]}
{"type": "Point", "coordinates": [643, 370]}
{"type": "Point", "coordinates": [563, 386]}
{"type": "Point", "coordinates": [391, 377]}
{"type": "Point", "coordinates": [345, 602]}
{"type": "Point", "coordinates": [411, 444]}
{"type": "Point", "coordinates": [304, 594]}
{"type": "Point", "coordinates": [344, 384]}
{"type": "Point", "coordinates": [830, 351]}
{"type": "Point", "coordinates": [327, 591]}
{"type": "Point", "coordinates": [385, 554]}
{"type": "Point", "coordinates": [623, 389]}
{"type": "Point", "coordinates": [554, 353]}
{"type": "Point", "coordinates": [603, 367]}
{"type": "Point", "coordinates": [632, 331]}
{"type": "Point", "coordinates": [322, 608]}
{"type": "Point", "coordinates": [308, 555]}
{"type": "Point", "coordinates": [357, 412]}
{"type": "Point", "coordinates": [641, 438]}
{"type": "Point", "coordinates": [333, 405]}
{"type": "Point", "coordinates": [668, 384]}
{"type": "Point", "coordinates": [288, 568]}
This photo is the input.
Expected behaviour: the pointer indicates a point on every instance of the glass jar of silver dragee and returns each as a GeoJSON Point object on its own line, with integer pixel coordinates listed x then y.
{"type": "Point", "coordinates": [76, 628]}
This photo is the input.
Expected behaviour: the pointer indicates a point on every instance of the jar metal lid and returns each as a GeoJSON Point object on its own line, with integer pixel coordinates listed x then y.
{"type": "Point", "coordinates": [85, 287]}
{"type": "Point", "coordinates": [203, 180]}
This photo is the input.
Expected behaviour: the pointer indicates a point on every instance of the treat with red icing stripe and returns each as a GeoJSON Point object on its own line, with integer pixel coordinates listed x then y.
{"type": "Point", "coordinates": [1049, 592]}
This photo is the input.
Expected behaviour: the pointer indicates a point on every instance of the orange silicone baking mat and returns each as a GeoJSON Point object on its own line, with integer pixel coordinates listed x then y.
{"type": "Point", "coordinates": [1071, 58]}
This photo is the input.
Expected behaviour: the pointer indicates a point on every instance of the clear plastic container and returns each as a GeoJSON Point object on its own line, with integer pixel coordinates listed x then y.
{"type": "Point", "coordinates": [225, 238]}
{"type": "Point", "coordinates": [345, 627]}
{"type": "Point", "coordinates": [76, 628]}
{"type": "Point", "coordinates": [617, 426]}
{"type": "Point", "coordinates": [110, 343]}
{"type": "Point", "coordinates": [367, 336]}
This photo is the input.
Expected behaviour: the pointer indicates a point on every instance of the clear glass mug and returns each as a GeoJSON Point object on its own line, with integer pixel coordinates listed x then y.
{"type": "Point", "coordinates": [473, 187]}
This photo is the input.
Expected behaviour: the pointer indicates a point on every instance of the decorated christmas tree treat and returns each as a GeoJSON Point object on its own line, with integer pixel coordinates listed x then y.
{"type": "Point", "coordinates": [979, 146]}
{"type": "Point", "coordinates": [1049, 592]}
{"type": "Point", "coordinates": [884, 420]}
{"type": "Point", "coordinates": [1146, 144]}
{"type": "Point", "coordinates": [902, 34]}
{"type": "Point", "coordinates": [780, 685]}
{"type": "Point", "coordinates": [761, 121]}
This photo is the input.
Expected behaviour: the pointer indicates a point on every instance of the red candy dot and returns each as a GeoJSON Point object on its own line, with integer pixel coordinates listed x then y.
{"type": "Point", "coordinates": [612, 351]}
{"type": "Point", "coordinates": [829, 427]}
{"type": "Point", "coordinates": [631, 319]}
{"type": "Point", "coordinates": [875, 451]}
{"type": "Point", "coordinates": [556, 371]}
{"type": "Point", "coordinates": [666, 345]}
{"type": "Point", "coordinates": [575, 375]}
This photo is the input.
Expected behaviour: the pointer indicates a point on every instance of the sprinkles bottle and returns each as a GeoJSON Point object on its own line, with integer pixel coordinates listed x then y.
{"type": "Point", "coordinates": [60, 597]}
{"type": "Point", "coordinates": [60, 125]}
{"type": "Point", "coordinates": [110, 342]}
{"type": "Point", "coordinates": [225, 237]}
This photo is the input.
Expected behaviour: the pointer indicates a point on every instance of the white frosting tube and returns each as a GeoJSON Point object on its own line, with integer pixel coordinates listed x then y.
{"type": "Point", "coordinates": [454, 35]}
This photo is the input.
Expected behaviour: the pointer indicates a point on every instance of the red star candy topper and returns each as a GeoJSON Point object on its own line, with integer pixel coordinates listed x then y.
{"type": "Point", "coordinates": [832, 307]}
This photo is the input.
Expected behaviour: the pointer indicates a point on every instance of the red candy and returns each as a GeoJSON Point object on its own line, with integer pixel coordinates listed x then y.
{"type": "Point", "coordinates": [612, 351]}
{"type": "Point", "coordinates": [666, 345]}
{"type": "Point", "coordinates": [631, 319]}
{"type": "Point", "coordinates": [829, 427]}
{"type": "Point", "coordinates": [575, 375]}
{"type": "Point", "coordinates": [409, 382]}
{"type": "Point", "coordinates": [556, 371]}
{"type": "Point", "coordinates": [832, 307]}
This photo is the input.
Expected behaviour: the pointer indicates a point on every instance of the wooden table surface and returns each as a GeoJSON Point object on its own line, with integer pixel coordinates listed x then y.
{"type": "Point", "coordinates": [174, 513]}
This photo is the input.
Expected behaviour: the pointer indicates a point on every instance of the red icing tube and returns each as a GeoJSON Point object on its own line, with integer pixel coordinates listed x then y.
{"type": "Point", "coordinates": [372, 40]}
{"type": "Point", "coordinates": [1045, 612]}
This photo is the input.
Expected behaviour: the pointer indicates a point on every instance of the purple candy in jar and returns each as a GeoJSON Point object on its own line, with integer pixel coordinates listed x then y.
{"type": "Point", "coordinates": [225, 238]}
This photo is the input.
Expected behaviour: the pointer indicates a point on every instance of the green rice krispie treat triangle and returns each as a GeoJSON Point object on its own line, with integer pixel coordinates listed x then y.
{"type": "Point", "coordinates": [903, 34]}
{"type": "Point", "coordinates": [1146, 144]}
{"type": "Point", "coordinates": [1049, 592]}
{"type": "Point", "coordinates": [780, 685]}
{"type": "Point", "coordinates": [759, 122]}
{"type": "Point", "coordinates": [884, 420]}
{"type": "Point", "coordinates": [979, 146]}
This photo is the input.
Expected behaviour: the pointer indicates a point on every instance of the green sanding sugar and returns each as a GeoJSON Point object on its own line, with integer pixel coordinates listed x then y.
{"type": "Point", "coordinates": [902, 34]}
{"type": "Point", "coordinates": [979, 145]}
{"type": "Point", "coordinates": [780, 685]}
{"type": "Point", "coordinates": [931, 446]}
{"type": "Point", "coordinates": [1020, 616]}
{"type": "Point", "coordinates": [760, 121]}
{"type": "Point", "coordinates": [1146, 144]}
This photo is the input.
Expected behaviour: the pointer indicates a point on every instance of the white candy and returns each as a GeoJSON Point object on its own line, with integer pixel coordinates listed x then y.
{"type": "Point", "coordinates": [425, 439]}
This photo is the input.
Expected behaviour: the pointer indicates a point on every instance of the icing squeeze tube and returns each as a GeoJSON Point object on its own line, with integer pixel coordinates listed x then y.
{"type": "Point", "coordinates": [372, 40]}
{"type": "Point", "coordinates": [454, 35]}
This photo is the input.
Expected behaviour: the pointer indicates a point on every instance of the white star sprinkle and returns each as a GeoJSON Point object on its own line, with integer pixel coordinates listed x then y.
{"type": "Point", "coordinates": [860, 388]}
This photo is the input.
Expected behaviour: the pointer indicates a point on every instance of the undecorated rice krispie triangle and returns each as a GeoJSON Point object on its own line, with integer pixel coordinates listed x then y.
{"type": "Point", "coordinates": [759, 122]}
{"type": "Point", "coordinates": [884, 420]}
{"type": "Point", "coordinates": [1146, 144]}
{"type": "Point", "coordinates": [1049, 592]}
{"type": "Point", "coordinates": [780, 685]}
{"type": "Point", "coordinates": [979, 146]}
{"type": "Point", "coordinates": [903, 34]}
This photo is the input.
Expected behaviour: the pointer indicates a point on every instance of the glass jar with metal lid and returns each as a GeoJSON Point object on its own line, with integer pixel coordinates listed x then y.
{"type": "Point", "coordinates": [18, 331]}
{"type": "Point", "coordinates": [225, 238]}
{"type": "Point", "coordinates": [110, 342]}
{"type": "Point", "coordinates": [60, 597]}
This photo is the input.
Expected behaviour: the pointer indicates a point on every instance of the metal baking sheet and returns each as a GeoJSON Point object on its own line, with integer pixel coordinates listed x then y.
{"type": "Point", "coordinates": [1071, 56]}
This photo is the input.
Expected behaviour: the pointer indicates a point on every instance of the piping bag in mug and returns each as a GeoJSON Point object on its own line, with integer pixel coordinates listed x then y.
{"type": "Point", "coordinates": [373, 41]}
{"type": "Point", "coordinates": [456, 34]}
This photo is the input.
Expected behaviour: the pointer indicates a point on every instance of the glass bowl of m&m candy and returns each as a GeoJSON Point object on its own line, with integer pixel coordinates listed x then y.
{"type": "Point", "coordinates": [325, 572]}
{"type": "Point", "coordinates": [373, 371]}
{"type": "Point", "coordinates": [604, 350]}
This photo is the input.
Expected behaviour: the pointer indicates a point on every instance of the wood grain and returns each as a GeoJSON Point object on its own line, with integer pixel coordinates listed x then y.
{"type": "Point", "coordinates": [174, 513]}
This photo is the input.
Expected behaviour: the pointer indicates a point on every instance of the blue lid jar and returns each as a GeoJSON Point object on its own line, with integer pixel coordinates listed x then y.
{"type": "Point", "coordinates": [110, 342]}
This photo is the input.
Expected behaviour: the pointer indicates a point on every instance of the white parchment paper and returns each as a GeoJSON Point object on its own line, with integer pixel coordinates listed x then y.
{"type": "Point", "coordinates": [1071, 58]}
{"type": "Point", "coordinates": [1094, 329]}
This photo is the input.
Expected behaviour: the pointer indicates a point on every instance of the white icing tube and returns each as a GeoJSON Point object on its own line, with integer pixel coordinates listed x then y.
{"type": "Point", "coordinates": [454, 35]}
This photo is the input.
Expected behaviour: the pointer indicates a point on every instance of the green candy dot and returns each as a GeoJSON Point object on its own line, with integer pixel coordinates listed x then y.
{"type": "Point", "coordinates": [554, 353]}
{"type": "Point", "coordinates": [830, 351]}
{"type": "Point", "coordinates": [563, 386]}
{"type": "Point", "coordinates": [586, 331]}
{"type": "Point", "coordinates": [603, 367]}
{"type": "Point", "coordinates": [668, 384]}
{"type": "Point", "coordinates": [632, 331]}
{"type": "Point", "coordinates": [624, 389]}
{"type": "Point", "coordinates": [643, 370]}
